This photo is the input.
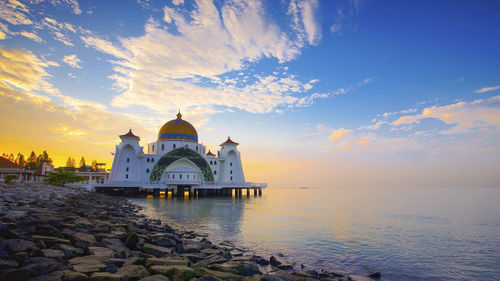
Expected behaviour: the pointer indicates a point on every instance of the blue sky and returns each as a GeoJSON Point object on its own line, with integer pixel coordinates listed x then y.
{"type": "Point", "coordinates": [357, 86]}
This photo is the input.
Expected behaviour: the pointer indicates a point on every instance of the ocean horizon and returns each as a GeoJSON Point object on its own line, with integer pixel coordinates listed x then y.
{"type": "Point", "coordinates": [406, 234]}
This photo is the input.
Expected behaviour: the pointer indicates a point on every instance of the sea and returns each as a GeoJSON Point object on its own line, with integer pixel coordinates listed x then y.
{"type": "Point", "coordinates": [406, 234]}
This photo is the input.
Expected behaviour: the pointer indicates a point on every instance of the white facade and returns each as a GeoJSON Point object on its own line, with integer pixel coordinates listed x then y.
{"type": "Point", "coordinates": [168, 163]}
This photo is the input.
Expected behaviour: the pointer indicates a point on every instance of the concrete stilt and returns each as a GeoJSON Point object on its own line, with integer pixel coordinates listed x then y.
{"type": "Point", "coordinates": [156, 192]}
{"type": "Point", "coordinates": [248, 192]}
{"type": "Point", "coordinates": [255, 192]}
{"type": "Point", "coordinates": [260, 192]}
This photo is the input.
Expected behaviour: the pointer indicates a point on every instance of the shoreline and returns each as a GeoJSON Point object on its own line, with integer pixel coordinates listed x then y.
{"type": "Point", "coordinates": [65, 233]}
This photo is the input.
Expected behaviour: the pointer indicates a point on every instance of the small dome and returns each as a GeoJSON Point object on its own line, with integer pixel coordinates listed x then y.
{"type": "Point", "coordinates": [178, 129]}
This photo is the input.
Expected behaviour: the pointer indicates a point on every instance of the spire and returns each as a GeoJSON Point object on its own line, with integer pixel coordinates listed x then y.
{"type": "Point", "coordinates": [179, 115]}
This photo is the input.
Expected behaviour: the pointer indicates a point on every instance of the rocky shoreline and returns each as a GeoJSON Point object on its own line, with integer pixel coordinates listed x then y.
{"type": "Point", "coordinates": [64, 233]}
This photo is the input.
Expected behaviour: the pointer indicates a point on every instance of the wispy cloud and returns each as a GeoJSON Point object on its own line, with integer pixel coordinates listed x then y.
{"type": "Point", "coordinates": [188, 69]}
{"type": "Point", "coordinates": [486, 89]}
{"type": "Point", "coordinates": [72, 60]}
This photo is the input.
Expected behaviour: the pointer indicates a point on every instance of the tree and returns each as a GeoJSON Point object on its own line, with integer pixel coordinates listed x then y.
{"type": "Point", "coordinates": [94, 165]}
{"type": "Point", "coordinates": [20, 161]}
{"type": "Point", "coordinates": [11, 158]}
{"type": "Point", "coordinates": [45, 159]}
{"type": "Point", "coordinates": [31, 161]}
{"type": "Point", "coordinates": [10, 178]}
{"type": "Point", "coordinates": [82, 166]}
{"type": "Point", "coordinates": [68, 162]}
{"type": "Point", "coordinates": [61, 178]}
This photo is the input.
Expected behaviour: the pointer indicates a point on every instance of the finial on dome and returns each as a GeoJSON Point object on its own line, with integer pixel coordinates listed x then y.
{"type": "Point", "coordinates": [179, 115]}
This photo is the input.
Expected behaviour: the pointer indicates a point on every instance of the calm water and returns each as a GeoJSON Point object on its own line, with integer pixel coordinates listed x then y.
{"type": "Point", "coordinates": [407, 234]}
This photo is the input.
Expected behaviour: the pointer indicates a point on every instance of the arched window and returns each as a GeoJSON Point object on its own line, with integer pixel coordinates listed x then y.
{"type": "Point", "coordinates": [180, 176]}
{"type": "Point", "coordinates": [215, 172]}
{"type": "Point", "coordinates": [168, 176]}
{"type": "Point", "coordinates": [128, 160]}
{"type": "Point", "coordinates": [194, 176]}
{"type": "Point", "coordinates": [147, 160]}
{"type": "Point", "coordinates": [173, 176]}
{"type": "Point", "coordinates": [188, 176]}
{"type": "Point", "coordinates": [147, 171]}
{"type": "Point", "coordinates": [127, 169]}
{"type": "Point", "coordinates": [174, 146]}
{"type": "Point", "coordinates": [126, 176]}
{"type": "Point", "coordinates": [196, 148]}
{"type": "Point", "coordinates": [215, 163]}
{"type": "Point", "coordinates": [211, 162]}
{"type": "Point", "coordinates": [162, 147]}
{"type": "Point", "coordinates": [230, 164]}
{"type": "Point", "coordinates": [186, 145]}
{"type": "Point", "coordinates": [231, 172]}
{"type": "Point", "coordinates": [152, 160]}
{"type": "Point", "coordinates": [231, 178]}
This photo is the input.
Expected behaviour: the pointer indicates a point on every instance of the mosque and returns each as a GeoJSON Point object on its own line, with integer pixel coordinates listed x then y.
{"type": "Point", "coordinates": [177, 163]}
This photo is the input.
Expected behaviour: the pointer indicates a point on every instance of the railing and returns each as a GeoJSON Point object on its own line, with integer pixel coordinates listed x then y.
{"type": "Point", "coordinates": [199, 183]}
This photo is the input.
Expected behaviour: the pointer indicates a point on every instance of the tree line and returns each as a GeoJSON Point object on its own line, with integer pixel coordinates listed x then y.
{"type": "Point", "coordinates": [34, 162]}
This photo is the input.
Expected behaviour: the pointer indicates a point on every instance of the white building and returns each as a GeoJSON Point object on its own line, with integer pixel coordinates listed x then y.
{"type": "Point", "coordinates": [177, 162]}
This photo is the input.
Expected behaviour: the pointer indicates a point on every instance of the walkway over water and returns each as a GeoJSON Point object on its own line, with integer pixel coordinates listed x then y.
{"type": "Point", "coordinates": [178, 188]}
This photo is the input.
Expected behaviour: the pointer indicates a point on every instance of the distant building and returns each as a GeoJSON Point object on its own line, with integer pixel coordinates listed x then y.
{"type": "Point", "coordinates": [177, 161]}
{"type": "Point", "coordinates": [9, 168]}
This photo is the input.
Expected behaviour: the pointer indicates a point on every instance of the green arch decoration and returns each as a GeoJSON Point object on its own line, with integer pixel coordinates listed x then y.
{"type": "Point", "coordinates": [177, 154]}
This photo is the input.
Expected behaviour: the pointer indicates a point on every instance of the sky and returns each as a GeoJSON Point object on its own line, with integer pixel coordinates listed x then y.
{"type": "Point", "coordinates": [353, 93]}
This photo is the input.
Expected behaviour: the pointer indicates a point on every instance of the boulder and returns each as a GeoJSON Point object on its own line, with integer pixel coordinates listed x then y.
{"type": "Point", "coordinates": [49, 241]}
{"type": "Point", "coordinates": [69, 275]}
{"type": "Point", "coordinates": [133, 272]}
{"type": "Point", "coordinates": [70, 251]}
{"type": "Point", "coordinates": [156, 277]}
{"type": "Point", "coordinates": [203, 272]}
{"type": "Point", "coordinates": [174, 272]}
{"type": "Point", "coordinates": [240, 268]}
{"type": "Point", "coordinates": [19, 245]}
{"type": "Point", "coordinates": [166, 261]}
{"type": "Point", "coordinates": [131, 240]}
{"type": "Point", "coordinates": [53, 276]}
{"type": "Point", "coordinates": [55, 254]}
{"type": "Point", "coordinates": [106, 276]}
{"type": "Point", "coordinates": [154, 250]}
{"type": "Point", "coordinates": [83, 240]}
{"type": "Point", "coordinates": [101, 251]}
{"type": "Point", "coordinates": [273, 261]}
{"type": "Point", "coordinates": [87, 264]}
{"type": "Point", "coordinates": [116, 245]}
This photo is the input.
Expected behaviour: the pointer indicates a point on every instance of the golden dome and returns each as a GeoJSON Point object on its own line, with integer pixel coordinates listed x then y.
{"type": "Point", "coordinates": [178, 129]}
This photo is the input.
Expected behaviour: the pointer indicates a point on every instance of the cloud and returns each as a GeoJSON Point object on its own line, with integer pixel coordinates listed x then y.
{"type": "Point", "coordinates": [487, 89]}
{"type": "Point", "coordinates": [59, 30]}
{"type": "Point", "coordinates": [177, 2]}
{"type": "Point", "coordinates": [72, 60]}
{"type": "Point", "coordinates": [14, 12]}
{"type": "Point", "coordinates": [72, 4]}
{"type": "Point", "coordinates": [22, 70]}
{"type": "Point", "coordinates": [304, 20]}
{"type": "Point", "coordinates": [465, 117]}
{"type": "Point", "coordinates": [165, 70]}
{"type": "Point", "coordinates": [339, 135]}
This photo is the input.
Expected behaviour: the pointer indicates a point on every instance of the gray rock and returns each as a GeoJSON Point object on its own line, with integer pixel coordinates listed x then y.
{"type": "Point", "coordinates": [6, 264]}
{"type": "Point", "coordinates": [154, 250]}
{"type": "Point", "coordinates": [19, 245]}
{"type": "Point", "coordinates": [156, 277]}
{"type": "Point", "coordinates": [83, 240]}
{"type": "Point", "coordinates": [101, 251]}
{"type": "Point", "coordinates": [74, 276]}
{"type": "Point", "coordinates": [106, 276]}
{"type": "Point", "coordinates": [53, 276]}
{"type": "Point", "coordinates": [167, 261]}
{"type": "Point", "coordinates": [133, 272]}
{"type": "Point", "coordinates": [131, 240]}
{"type": "Point", "coordinates": [174, 272]}
{"type": "Point", "coordinates": [70, 251]}
{"type": "Point", "coordinates": [273, 261]}
{"type": "Point", "coordinates": [375, 275]}
{"type": "Point", "coordinates": [55, 254]}
{"type": "Point", "coordinates": [87, 264]}
{"type": "Point", "coordinates": [49, 241]}
{"type": "Point", "coordinates": [203, 272]}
